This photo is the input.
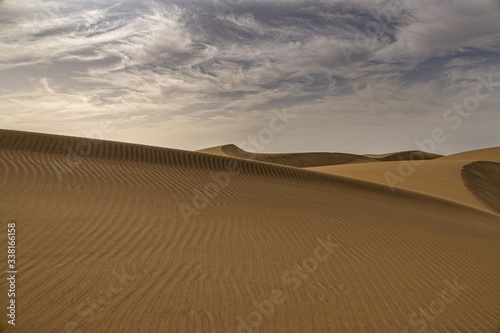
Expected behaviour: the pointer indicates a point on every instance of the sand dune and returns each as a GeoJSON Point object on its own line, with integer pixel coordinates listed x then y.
{"type": "Point", "coordinates": [299, 160]}
{"type": "Point", "coordinates": [439, 178]}
{"type": "Point", "coordinates": [302, 160]}
{"type": "Point", "coordinates": [404, 155]}
{"type": "Point", "coordinates": [486, 154]}
{"type": "Point", "coordinates": [116, 237]}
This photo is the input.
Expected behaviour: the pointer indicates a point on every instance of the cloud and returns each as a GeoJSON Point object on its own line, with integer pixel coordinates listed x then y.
{"type": "Point", "coordinates": [438, 28]}
{"type": "Point", "coordinates": [190, 67]}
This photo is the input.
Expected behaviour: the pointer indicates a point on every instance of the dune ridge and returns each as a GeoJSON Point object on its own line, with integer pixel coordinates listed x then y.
{"type": "Point", "coordinates": [304, 160]}
{"type": "Point", "coordinates": [75, 150]}
{"type": "Point", "coordinates": [404, 156]}
{"type": "Point", "coordinates": [298, 160]}
{"type": "Point", "coordinates": [107, 248]}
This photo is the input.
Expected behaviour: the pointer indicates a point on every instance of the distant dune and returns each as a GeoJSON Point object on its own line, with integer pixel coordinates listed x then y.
{"type": "Point", "coordinates": [302, 160]}
{"type": "Point", "coordinates": [441, 177]}
{"type": "Point", "coordinates": [486, 154]}
{"type": "Point", "coordinates": [116, 237]}
{"type": "Point", "coordinates": [404, 155]}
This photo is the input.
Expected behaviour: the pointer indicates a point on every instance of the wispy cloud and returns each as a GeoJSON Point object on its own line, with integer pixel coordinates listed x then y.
{"type": "Point", "coordinates": [205, 72]}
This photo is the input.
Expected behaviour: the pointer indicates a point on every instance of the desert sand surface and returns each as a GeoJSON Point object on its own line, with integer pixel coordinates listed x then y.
{"type": "Point", "coordinates": [303, 160]}
{"type": "Point", "coordinates": [115, 237]}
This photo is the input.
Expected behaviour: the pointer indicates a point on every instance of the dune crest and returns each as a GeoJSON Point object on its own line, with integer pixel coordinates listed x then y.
{"type": "Point", "coordinates": [404, 156]}
{"type": "Point", "coordinates": [304, 160]}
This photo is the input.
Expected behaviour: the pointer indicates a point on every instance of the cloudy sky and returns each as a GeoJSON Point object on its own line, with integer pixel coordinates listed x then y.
{"type": "Point", "coordinates": [361, 76]}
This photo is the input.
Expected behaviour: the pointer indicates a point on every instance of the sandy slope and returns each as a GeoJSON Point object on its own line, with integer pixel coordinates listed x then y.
{"type": "Point", "coordinates": [437, 178]}
{"type": "Point", "coordinates": [483, 179]}
{"type": "Point", "coordinates": [441, 177]}
{"type": "Point", "coordinates": [103, 245]}
{"type": "Point", "coordinates": [302, 160]}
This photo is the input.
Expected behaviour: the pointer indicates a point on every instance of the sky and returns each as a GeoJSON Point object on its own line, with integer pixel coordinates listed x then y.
{"type": "Point", "coordinates": [357, 76]}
